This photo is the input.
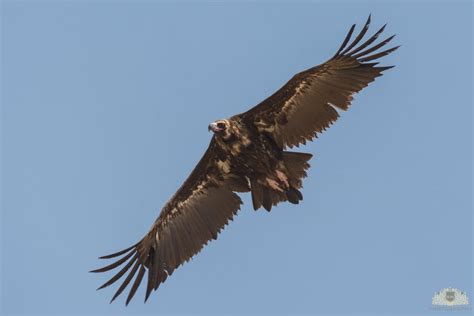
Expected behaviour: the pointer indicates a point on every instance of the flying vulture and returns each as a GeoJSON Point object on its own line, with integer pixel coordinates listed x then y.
{"type": "Point", "coordinates": [249, 153]}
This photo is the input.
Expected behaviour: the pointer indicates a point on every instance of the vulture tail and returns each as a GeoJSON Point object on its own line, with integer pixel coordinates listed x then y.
{"type": "Point", "coordinates": [296, 165]}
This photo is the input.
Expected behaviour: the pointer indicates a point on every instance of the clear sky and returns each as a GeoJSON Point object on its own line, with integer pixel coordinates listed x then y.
{"type": "Point", "coordinates": [105, 107]}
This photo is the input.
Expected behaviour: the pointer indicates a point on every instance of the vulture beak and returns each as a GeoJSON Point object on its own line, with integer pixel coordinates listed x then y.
{"type": "Point", "coordinates": [213, 127]}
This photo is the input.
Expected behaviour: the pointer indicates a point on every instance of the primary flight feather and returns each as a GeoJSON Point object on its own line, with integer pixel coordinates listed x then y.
{"type": "Point", "coordinates": [247, 153]}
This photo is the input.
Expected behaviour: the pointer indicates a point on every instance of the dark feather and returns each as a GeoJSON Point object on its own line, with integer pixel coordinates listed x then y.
{"type": "Point", "coordinates": [346, 40]}
{"type": "Point", "coordinates": [266, 199]}
{"type": "Point", "coordinates": [119, 253]}
{"type": "Point", "coordinates": [257, 194]}
{"type": "Point", "coordinates": [368, 42]}
{"type": "Point", "coordinates": [115, 264]}
{"type": "Point", "coordinates": [152, 273]}
{"type": "Point", "coordinates": [126, 281]}
{"type": "Point", "coordinates": [294, 196]}
{"type": "Point", "coordinates": [374, 48]}
{"type": "Point", "coordinates": [120, 273]}
{"type": "Point", "coordinates": [359, 37]}
{"type": "Point", "coordinates": [136, 284]}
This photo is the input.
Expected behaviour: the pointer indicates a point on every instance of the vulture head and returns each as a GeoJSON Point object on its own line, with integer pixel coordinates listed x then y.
{"type": "Point", "coordinates": [221, 128]}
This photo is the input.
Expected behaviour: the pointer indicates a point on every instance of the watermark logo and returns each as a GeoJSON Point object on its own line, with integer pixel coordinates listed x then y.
{"type": "Point", "coordinates": [449, 298]}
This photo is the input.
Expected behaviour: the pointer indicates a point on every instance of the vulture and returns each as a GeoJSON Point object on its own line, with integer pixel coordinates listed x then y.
{"type": "Point", "coordinates": [249, 152]}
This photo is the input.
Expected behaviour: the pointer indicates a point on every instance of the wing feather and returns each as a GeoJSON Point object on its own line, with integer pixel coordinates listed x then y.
{"type": "Point", "coordinates": [359, 37]}
{"type": "Point", "coordinates": [115, 264]}
{"type": "Point", "coordinates": [119, 274]}
{"type": "Point", "coordinates": [127, 280]}
{"type": "Point", "coordinates": [369, 41]}
{"type": "Point", "coordinates": [136, 283]}
{"type": "Point", "coordinates": [346, 40]}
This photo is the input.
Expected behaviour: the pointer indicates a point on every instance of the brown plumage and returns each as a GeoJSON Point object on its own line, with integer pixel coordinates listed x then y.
{"type": "Point", "coordinates": [247, 154]}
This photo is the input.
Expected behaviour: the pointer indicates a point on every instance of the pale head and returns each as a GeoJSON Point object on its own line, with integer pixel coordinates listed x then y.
{"type": "Point", "coordinates": [221, 128]}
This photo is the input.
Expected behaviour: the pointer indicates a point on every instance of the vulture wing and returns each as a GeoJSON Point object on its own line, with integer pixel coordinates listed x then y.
{"type": "Point", "coordinates": [197, 212]}
{"type": "Point", "coordinates": [306, 105]}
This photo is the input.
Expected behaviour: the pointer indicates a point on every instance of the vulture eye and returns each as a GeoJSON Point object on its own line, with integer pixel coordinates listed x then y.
{"type": "Point", "coordinates": [221, 125]}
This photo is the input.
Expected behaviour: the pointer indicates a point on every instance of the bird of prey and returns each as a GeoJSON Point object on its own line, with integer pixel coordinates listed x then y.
{"type": "Point", "coordinates": [249, 153]}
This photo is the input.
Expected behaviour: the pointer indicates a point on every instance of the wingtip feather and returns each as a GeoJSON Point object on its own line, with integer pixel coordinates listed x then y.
{"type": "Point", "coordinates": [118, 253]}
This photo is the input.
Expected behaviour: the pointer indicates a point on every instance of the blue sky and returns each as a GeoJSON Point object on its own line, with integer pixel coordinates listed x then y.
{"type": "Point", "coordinates": [105, 107]}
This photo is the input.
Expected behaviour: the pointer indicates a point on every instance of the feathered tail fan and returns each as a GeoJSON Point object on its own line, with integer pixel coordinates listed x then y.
{"type": "Point", "coordinates": [296, 165]}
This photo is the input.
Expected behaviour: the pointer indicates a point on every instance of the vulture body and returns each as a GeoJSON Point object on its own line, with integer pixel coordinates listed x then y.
{"type": "Point", "coordinates": [249, 153]}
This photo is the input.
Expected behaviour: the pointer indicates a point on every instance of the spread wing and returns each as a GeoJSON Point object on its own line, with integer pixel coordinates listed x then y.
{"type": "Point", "coordinates": [197, 212]}
{"type": "Point", "coordinates": [306, 105]}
